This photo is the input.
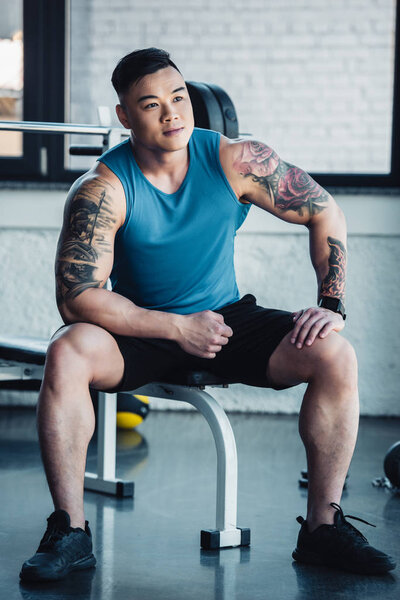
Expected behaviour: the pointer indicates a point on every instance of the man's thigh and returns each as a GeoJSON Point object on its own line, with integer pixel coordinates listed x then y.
{"type": "Point", "coordinates": [117, 363]}
{"type": "Point", "coordinates": [147, 360]}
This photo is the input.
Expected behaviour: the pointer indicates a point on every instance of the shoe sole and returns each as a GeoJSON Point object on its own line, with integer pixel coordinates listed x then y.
{"type": "Point", "coordinates": [311, 558]}
{"type": "Point", "coordinates": [78, 565]}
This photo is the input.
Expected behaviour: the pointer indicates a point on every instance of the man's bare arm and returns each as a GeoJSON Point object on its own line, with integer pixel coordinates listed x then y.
{"type": "Point", "coordinates": [85, 246]}
{"type": "Point", "coordinates": [261, 177]}
{"type": "Point", "coordinates": [85, 253]}
{"type": "Point", "coordinates": [280, 187]}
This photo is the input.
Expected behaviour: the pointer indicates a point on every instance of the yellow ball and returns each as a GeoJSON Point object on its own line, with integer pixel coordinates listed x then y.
{"type": "Point", "coordinates": [126, 420]}
{"type": "Point", "coordinates": [131, 410]}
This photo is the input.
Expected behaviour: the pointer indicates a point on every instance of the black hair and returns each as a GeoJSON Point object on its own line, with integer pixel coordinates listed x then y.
{"type": "Point", "coordinates": [138, 63]}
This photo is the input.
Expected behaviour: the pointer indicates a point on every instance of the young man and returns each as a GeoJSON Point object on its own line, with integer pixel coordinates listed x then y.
{"type": "Point", "coordinates": [158, 215]}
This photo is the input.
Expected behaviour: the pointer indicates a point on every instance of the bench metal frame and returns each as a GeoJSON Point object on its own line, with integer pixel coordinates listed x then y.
{"type": "Point", "coordinates": [226, 532]}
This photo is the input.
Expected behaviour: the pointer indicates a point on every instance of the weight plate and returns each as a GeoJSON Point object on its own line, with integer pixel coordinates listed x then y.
{"type": "Point", "coordinates": [206, 108]}
{"type": "Point", "coordinates": [391, 464]}
{"type": "Point", "coordinates": [231, 124]}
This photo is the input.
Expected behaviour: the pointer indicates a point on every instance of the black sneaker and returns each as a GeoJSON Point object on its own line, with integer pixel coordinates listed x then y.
{"type": "Point", "coordinates": [342, 546]}
{"type": "Point", "coordinates": [62, 549]}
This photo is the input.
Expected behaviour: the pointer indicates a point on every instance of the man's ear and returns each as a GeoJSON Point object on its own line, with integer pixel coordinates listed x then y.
{"type": "Point", "coordinates": [121, 114]}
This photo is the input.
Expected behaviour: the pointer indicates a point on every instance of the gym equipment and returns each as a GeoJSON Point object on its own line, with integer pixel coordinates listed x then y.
{"type": "Point", "coordinates": [111, 135]}
{"type": "Point", "coordinates": [303, 481]}
{"type": "Point", "coordinates": [213, 108]}
{"type": "Point", "coordinates": [231, 123]}
{"type": "Point", "coordinates": [391, 464]}
{"type": "Point", "coordinates": [22, 360]}
{"type": "Point", "coordinates": [131, 410]}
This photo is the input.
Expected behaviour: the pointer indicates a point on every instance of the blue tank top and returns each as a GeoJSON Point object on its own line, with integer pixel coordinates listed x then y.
{"type": "Point", "coordinates": [174, 252]}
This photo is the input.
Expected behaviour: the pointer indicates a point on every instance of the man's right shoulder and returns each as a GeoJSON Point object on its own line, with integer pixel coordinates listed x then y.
{"type": "Point", "coordinates": [98, 186]}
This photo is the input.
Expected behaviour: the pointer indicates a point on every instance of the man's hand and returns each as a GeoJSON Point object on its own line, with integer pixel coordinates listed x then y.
{"type": "Point", "coordinates": [202, 334]}
{"type": "Point", "coordinates": [316, 322]}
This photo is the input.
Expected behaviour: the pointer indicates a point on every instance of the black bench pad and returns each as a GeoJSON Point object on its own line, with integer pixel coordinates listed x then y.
{"type": "Point", "coordinates": [195, 378]}
{"type": "Point", "coordinates": [23, 349]}
{"type": "Point", "coordinates": [33, 350]}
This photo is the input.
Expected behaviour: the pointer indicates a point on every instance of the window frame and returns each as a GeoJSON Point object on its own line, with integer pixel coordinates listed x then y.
{"type": "Point", "coordinates": [46, 72]}
{"type": "Point", "coordinates": [28, 165]}
{"type": "Point", "coordinates": [391, 179]}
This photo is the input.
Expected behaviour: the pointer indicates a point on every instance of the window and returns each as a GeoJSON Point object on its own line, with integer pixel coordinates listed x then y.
{"type": "Point", "coordinates": [71, 48]}
{"type": "Point", "coordinates": [11, 76]}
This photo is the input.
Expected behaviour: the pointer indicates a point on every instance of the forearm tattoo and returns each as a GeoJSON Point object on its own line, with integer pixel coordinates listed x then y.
{"type": "Point", "coordinates": [334, 282]}
{"type": "Point", "coordinates": [83, 239]}
{"type": "Point", "coordinates": [290, 187]}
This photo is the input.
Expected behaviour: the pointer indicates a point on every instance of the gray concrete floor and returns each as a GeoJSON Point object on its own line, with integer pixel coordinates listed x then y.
{"type": "Point", "coordinates": [148, 548]}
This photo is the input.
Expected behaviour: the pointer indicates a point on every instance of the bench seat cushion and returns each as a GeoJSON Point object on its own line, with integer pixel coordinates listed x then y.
{"type": "Point", "coordinates": [195, 378]}
{"type": "Point", "coordinates": [23, 349]}
{"type": "Point", "coordinates": [33, 350]}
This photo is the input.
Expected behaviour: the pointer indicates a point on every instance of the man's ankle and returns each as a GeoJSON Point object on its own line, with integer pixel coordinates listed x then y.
{"type": "Point", "coordinates": [77, 518]}
{"type": "Point", "coordinates": [75, 524]}
{"type": "Point", "coordinates": [315, 521]}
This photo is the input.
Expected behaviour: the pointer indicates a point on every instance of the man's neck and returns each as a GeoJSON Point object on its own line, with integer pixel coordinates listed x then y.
{"type": "Point", "coordinates": [160, 163]}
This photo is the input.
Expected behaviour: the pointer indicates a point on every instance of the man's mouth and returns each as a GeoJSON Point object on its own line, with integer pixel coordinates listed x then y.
{"type": "Point", "coordinates": [172, 132]}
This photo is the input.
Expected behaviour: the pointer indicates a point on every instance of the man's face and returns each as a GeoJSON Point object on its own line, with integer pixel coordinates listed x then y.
{"type": "Point", "coordinates": [155, 104]}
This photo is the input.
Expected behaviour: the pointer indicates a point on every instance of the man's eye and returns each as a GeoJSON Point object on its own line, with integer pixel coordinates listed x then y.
{"type": "Point", "coordinates": [151, 104]}
{"type": "Point", "coordinates": [178, 98]}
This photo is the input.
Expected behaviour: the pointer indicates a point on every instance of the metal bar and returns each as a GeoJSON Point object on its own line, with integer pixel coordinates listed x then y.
{"type": "Point", "coordinates": [104, 480]}
{"type": "Point", "coordinates": [116, 487]}
{"type": "Point", "coordinates": [11, 372]}
{"type": "Point", "coordinates": [106, 435]}
{"type": "Point", "coordinates": [226, 506]}
{"type": "Point", "coordinates": [85, 150]}
{"type": "Point", "coordinates": [395, 160]}
{"type": "Point", "coordinates": [41, 127]}
{"type": "Point", "coordinates": [15, 371]}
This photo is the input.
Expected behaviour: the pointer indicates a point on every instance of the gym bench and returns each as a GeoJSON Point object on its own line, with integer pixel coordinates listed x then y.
{"type": "Point", "coordinates": [21, 367]}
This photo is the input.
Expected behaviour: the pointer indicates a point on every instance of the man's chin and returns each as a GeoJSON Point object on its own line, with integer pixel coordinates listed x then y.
{"type": "Point", "coordinates": [177, 142]}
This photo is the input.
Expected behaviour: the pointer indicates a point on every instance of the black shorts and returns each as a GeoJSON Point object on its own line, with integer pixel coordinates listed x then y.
{"type": "Point", "coordinates": [257, 331]}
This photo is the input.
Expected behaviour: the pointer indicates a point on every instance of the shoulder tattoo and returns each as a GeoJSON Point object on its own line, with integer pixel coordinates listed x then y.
{"type": "Point", "coordinates": [289, 187]}
{"type": "Point", "coordinates": [84, 239]}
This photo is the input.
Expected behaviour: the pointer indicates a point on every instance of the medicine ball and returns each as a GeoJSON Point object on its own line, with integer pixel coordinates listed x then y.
{"type": "Point", "coordinates": [391, 464]}
{"type": "Point", "coordinates": [131, 410]}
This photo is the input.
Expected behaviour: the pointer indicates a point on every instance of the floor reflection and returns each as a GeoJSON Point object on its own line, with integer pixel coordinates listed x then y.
{"type": "Point", "coordinates": [77, 585]}
{"type": "Point", "coordinates": [224, 563]}
{"type": "Point", "coordinates": [317, 583]}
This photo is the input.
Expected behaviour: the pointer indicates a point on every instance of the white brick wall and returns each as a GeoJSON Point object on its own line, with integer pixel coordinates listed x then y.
{"type": "Point", "coordinates": [312, 78]}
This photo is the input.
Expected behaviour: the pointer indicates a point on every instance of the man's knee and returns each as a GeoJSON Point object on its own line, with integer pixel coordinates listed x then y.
{"type": "Point", "coordinates": [74, 346]}
{"type": "Point", "coordinates": [335, 358]}
{"type": "Point", "coordinates": [331, 358]}
{"type": "Point", "coordinates": [86, 354]}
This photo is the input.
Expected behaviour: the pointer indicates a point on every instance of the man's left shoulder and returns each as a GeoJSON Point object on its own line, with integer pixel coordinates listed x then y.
{"type": "Point", "coordinates": [230, 151]}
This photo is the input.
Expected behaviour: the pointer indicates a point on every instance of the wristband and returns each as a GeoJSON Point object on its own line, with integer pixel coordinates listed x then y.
{"type": "Point", "coordinates": [333, 304]}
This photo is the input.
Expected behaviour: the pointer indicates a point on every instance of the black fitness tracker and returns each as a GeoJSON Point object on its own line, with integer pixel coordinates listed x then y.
{"type": "Point", "coordinates": [334, 304]}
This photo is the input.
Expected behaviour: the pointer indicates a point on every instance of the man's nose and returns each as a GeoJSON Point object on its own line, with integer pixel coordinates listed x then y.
{"type": "Point", "coordinates": [170, 114]}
